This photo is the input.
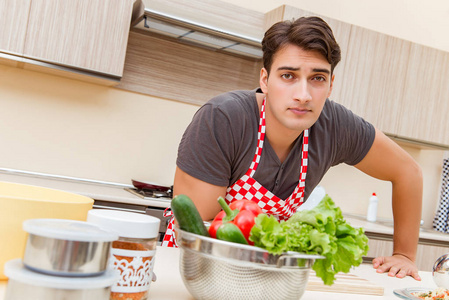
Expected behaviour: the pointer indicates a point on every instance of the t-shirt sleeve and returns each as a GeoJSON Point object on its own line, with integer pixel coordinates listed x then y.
{"type": "Point", "coordinates": [206, 146]}
{"type": "Point", "coordinates": [353, 137]}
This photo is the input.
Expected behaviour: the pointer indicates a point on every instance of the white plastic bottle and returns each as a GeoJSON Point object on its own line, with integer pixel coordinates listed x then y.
{"type": "Point", "coordinates": [372, 208]}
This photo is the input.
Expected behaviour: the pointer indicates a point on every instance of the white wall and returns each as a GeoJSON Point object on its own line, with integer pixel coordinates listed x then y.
{"type": "Point", "coordinates": [351, 188]}
{"type": "Point", "coordinates": [55, 125]}
{"type": "Point", "coordinates": [61, 126]}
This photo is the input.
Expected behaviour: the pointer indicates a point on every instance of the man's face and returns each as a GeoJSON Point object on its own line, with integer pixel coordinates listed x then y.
{"type": "Point", "coordinates": [296, 89]}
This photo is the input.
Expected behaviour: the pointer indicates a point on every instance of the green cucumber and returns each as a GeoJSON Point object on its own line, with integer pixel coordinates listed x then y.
{"type": "Point", "coordinates": [187, 215]}
{"type": "Point", "coordinates": [231, 233]}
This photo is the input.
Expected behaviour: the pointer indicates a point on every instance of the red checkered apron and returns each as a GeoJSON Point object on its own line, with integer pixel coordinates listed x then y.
{"type": "Point", "coordinates": [248, 188]}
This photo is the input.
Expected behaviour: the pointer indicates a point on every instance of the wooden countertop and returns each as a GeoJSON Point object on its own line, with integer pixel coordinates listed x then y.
{"type": "Point", "coordinates": [169, 284]}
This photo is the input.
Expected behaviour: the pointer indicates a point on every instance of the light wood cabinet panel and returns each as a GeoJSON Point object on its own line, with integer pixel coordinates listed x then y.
{"type": "Point", "coordinates": [84, 34]}
{"type": "Point", "coordinates": [13, 25]}
{"type": "Point", "coordinates": [426, 93]}
{"type": "Point", "coordinates": [379, 248]}
{"type": "Point", "coordinates": [426, 254]}
{"type": "Point", "coordinates": [373, 82]}
{"type": "Point", "coordinates": [176, 71]}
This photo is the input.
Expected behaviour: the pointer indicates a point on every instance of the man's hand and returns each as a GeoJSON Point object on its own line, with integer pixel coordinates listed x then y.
{"type": "Point", "coordinates": [396, 265]}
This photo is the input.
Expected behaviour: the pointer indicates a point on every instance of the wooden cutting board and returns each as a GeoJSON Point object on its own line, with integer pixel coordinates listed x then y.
{"type": "Point", "coordinates": [345, 283]}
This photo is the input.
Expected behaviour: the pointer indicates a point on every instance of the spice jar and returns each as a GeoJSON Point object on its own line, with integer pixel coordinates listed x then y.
{"type": "Point", "coordinates": [132, 255]}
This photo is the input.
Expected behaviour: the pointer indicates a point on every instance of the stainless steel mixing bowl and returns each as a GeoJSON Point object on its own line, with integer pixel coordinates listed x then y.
{"type": "Point", "coordinates": [215, 269]}
{"type": "Point", "coordinates": [441, 271]}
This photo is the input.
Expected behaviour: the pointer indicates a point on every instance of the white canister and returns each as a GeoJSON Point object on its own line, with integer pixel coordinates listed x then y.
{"type": "Point", "coordinates": [23, 283]}
{"type": "Point", "coordinates": [133, 254]}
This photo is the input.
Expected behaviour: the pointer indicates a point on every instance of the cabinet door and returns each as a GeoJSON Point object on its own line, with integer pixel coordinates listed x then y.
{"type": "Point", "coordinates": [85, 34]}
{"type": "Point", "coordinates": [426, 254]}
{"type": "Point", "coordinates": [13, 24]}
{"type": "Point", "coordinates": [426, 92]}
{"type": "Point", "coordinates": [373, 79]}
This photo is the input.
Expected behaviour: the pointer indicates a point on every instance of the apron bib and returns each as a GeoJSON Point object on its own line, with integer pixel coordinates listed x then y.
{"type": "Point", "coordinates": [248, 188]}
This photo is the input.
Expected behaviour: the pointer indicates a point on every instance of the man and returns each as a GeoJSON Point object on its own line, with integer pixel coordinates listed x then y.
{"type": "Point", "coordinates": [302, 134]}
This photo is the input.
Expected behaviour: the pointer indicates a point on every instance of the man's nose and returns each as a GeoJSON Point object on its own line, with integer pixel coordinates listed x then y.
{"type": "Point", "coordinates": [302, 91]}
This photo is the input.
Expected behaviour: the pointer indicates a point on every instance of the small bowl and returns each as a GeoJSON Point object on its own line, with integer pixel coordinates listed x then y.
{"type": "Point", "coordinates": [440, 271]}
{"type": "Point", "coordinates": [67, 247]}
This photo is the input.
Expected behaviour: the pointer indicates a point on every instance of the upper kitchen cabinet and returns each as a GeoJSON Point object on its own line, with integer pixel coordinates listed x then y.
{"type": "Point", "coordinates": [82, 39]}
{"type": "Point", "coordinates": [82, 34]}
{"type": "Point", "coordinates": [426, 95]}
{"type": "Point", "coordinates": [13, 25]}
{"type": "Point", "coordinates": [399, 86]}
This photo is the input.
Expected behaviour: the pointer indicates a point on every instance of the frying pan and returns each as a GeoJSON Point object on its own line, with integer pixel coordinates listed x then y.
{"type": "Point", "coordinates": [142, 185]}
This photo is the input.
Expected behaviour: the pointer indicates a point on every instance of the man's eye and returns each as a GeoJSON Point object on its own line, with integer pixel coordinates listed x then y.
{"type": "Point", "coordinates": [287, 76]}
{"type": "Point", "coordinates": [319, 78]}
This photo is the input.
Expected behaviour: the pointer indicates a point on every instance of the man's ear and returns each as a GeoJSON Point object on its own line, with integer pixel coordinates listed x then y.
{"type": "Point", "coordinates": [263, 80]}
{"type": "Point", "coordinates": [332, 84]}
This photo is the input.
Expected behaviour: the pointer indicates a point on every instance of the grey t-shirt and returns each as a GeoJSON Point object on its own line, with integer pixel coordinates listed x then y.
{"type": "Point", "coordinates": [219, 144]}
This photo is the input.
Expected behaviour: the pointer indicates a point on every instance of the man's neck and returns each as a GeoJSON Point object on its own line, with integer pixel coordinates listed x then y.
{"type": "Point", "coordinates": [281, 144]}
{"type": "Point", "coordinates": [280, 138]}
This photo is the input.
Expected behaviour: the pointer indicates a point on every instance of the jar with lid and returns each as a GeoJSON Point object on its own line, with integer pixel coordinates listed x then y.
{"type": "Point", "coordinates": [62, 247]}
{"type": "Point", "coordinates": [133, 254]}
{"type": "Point", "coordinates": [24, 283]}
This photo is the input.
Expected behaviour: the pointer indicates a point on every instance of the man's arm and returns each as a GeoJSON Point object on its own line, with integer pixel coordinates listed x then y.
{"type": "Point", "coordinates": [387, 161]}
{"type": "Point", "coordinates": [203, 194]}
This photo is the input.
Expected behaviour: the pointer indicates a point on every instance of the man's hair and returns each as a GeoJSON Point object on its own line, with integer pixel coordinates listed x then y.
{"type": "Point", "coordinates": [309, 33]}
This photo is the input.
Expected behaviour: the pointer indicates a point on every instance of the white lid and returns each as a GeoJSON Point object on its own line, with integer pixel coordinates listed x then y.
{"type": "Point", "coordinates": [69, 230]}
{"type": "Point", "coordinates": [15, 270]}
{"type": "Point", "coordinates": [126, 224]}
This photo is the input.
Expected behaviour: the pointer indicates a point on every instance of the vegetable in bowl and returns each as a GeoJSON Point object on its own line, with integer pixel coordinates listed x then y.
{"type": "Point", "coordinates": [322, 231]}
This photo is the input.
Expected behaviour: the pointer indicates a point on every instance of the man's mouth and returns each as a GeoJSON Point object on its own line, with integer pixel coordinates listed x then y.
{"type": "Point", "coordinates": [299, 110]}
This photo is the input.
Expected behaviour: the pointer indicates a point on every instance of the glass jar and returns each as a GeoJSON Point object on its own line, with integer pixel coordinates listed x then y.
{"type": "Point", "coordinates": [133, 254]}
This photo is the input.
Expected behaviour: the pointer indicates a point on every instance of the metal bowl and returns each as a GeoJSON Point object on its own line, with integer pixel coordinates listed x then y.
{"type": "Point", "coordinates": [215, 269]}
{"type": "Point", "coordinates": [441, 271]}
{"type": "Point", "coordinates": [67, 247]}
